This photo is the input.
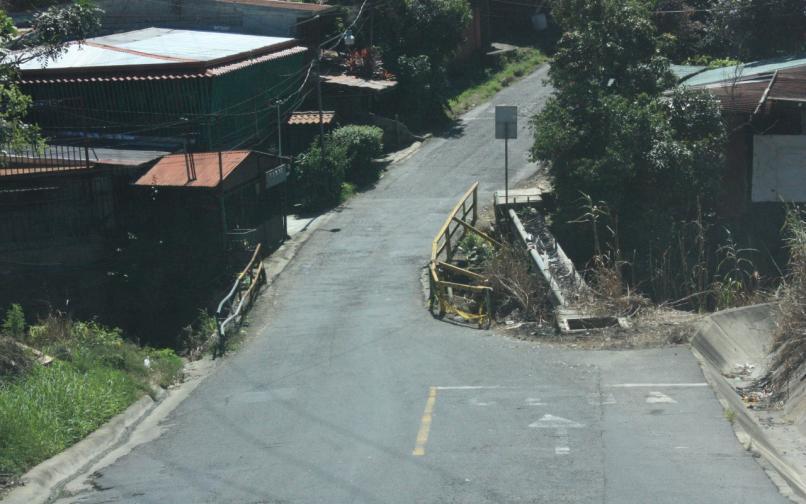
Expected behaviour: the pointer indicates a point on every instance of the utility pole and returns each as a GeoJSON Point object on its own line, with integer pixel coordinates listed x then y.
{"type": "Point", "coordinates": [279, 131]}
{"type": "Point", "coordinates": [321, 114]}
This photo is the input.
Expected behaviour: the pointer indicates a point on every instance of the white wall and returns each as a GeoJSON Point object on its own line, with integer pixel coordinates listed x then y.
{"type": "Point", "coordinates": [779, 168]}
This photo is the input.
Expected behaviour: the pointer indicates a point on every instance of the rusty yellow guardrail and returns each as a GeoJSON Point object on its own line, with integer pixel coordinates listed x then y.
{"type": "Point", "coordinates": [232, 309]}
{"type": "Point", "coordinates": [470, 299]}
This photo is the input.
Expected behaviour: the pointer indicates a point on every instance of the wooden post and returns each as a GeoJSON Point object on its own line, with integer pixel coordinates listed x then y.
{"type": "Point", "coordinates": [475, 206]}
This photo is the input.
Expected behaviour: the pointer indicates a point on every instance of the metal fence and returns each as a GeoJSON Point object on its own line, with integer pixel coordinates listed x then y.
{"type": "Point", "coordinates": [455, 290]}
{"type": "Point", "coordinates": [232, 309]}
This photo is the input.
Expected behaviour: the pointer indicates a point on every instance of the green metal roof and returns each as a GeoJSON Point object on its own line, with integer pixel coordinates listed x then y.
{"type": "Point", "coordinates": [744, 71]}
{"type": "Point", "coordinates": [684, 71]}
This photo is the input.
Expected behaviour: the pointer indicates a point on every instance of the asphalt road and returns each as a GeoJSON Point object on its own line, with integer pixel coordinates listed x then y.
{"type": "Point", "coordinates": [326, 401]}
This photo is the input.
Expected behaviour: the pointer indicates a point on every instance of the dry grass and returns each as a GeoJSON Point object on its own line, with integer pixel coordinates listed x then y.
{"type": "Point", "coordinates": [516, 292]}
{"type": "Point", "coordinates": [789, 346]}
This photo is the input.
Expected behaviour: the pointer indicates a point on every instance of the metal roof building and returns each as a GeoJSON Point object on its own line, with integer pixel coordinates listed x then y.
{"type": "Point", "coordinates": [162, 87]}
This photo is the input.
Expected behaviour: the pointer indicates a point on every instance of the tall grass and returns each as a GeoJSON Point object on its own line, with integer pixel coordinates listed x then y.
{"type": "Point", "coordinates": [789, 347]}
{"type": "Point", "coordinates": [96, 374]}
{"type": "Point", "coordinates": [53, 407]}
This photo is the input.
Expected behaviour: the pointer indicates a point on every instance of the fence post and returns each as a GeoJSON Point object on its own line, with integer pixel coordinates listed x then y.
{"type": "Point", "coordinates": [221, 337]}
{"type": "Point", "coordinates": [475, 205]}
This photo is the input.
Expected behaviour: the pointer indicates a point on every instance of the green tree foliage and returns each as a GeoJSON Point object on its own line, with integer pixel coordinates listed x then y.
{"type": "Point", "coordinates": [362, 144]}
{"type": "Point", "coordinates": [14, 323]}
{"type": "Point", "coordinates": [349, 152]}
{"type": "Point", "coordinates": [610, 133]}
{"type": "Point", "coordinates": [418, 38]}
{"type": "Point", "coordinates": [753, 29]}
{"type": "Point", "coordinates": [50, 29]}
{"type": "Point", "coordinates": [317, 183]}
{"type": "Point", "coordinates": [739, 29]}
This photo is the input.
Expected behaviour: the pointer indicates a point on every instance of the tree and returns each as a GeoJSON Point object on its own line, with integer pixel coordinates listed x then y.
{"type": "Point", "coordinates": [50, 30]}
{"type": "Point", "coordinates": [418, 38]}
{"type": "Point", "coordinates": [611, 133]}
{"type": "Point", "coordinates": [754, 29]}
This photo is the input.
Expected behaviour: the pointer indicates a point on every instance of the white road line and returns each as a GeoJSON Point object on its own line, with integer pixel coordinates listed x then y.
{"type": "Point", "coordinates": [657, 385]}
{"type": "Point", "coordinates": [470, 387]}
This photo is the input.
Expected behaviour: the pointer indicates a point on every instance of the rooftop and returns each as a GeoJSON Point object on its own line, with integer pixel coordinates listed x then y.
{"type": "Point", "coordinates": [744, 71]}
{"type": "Point", "coordinates": [173, 170]}
{"type": "Point", "coordinates": [279, 4]}
{"type": "Point", "coordinates": [158, 46]}
{"type": "Point", "coordinates": [310, 117]}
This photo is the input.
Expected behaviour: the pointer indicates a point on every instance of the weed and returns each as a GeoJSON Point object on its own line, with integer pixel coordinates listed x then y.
{"type": "Point", "coordinates": [514, 287]}
{"type": "Point", "coordinates": [476, 248]}
{"type": "Point", "coordinates": [789, 346]}
{"type": "Point", "coordinates": [348, 190]}
{"type": "Point", "coordinates": [14, 323]}
{"type": "Point", "coordinates": [730, 415]}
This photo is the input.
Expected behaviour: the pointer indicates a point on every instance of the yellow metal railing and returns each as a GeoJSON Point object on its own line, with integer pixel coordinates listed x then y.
{"type": "Point", "coordinates": [453, 289]}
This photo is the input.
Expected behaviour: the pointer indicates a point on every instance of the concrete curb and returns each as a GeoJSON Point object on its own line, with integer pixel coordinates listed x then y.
{"type": "Point", "coordinates": [725, 337]}
{"type": "Point", "coordinates": [42, 479]}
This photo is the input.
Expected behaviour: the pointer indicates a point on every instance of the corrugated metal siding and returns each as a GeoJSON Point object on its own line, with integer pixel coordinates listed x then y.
{"type": "Point", "coordinates": [243, 101]}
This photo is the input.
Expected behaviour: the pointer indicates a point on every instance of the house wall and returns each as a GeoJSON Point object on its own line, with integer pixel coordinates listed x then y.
{"type": "Point", "coordinates": [222, 112]}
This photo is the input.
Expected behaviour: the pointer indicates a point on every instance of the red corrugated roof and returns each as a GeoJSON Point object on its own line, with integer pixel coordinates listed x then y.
{"type": "Point", "coordinates": [311, 7]}
{"type": "Point", "coordinates": [172, 171]}
{"type": "Point", "coordinates": [210, 72]}
{"type": "Point", "coordinates": [743, 97]}
{"type": "Point", "coordinates": [789, 86]}
{"type": "Point", "coordinates": [311, 117]}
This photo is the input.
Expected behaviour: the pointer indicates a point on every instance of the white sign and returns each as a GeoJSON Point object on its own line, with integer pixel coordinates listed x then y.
{"type": "Point", "coordinates": [276, 175]}
{"type": "Point", "coordinates": [506, 122]}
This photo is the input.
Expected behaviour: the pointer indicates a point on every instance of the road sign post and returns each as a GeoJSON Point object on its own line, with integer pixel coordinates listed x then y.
{"type": "Point", "coordinates": [506, 127]}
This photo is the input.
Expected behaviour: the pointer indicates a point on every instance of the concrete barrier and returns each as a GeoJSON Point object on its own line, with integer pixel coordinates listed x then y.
{"type": "Point", "coordinates": [736, 340]}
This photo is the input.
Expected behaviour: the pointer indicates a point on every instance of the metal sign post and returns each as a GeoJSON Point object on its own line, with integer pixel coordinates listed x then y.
{"type": "Point", "coordinates": [506, 127]}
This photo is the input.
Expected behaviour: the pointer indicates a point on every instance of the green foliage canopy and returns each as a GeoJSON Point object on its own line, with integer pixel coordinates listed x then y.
{"type": "Point", "coordinates": [611, 133]}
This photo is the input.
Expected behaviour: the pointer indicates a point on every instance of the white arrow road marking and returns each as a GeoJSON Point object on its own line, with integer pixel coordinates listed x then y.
{"type": "Point", "coordinates": [560, 426]}
{"type": "Point", "coordinates": [562, 446]}
{"type": "Point", "coordinates": [658, 397]}
{"type": "Point", "coordinates": [534, 401]}
{"type": "Point", "coordinates": [596, 399]}
{"type": "Point", "coordinates": [555, 422]}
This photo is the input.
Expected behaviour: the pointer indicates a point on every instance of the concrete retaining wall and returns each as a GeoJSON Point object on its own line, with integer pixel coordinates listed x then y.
{"type": "Point", "coordinates": [727, 342]}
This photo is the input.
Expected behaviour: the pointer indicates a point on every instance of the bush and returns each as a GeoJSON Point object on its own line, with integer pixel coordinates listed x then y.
{"type": "Point", "coordinates": [318, 184]}
{"type": "Point", "coordinates": [362, 144]}
{"type": "Point", "coordinates": [14, 323]}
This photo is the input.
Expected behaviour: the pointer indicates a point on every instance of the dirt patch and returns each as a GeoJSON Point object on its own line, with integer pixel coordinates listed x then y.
{"type": "Point", "coordinates": [649, 328]}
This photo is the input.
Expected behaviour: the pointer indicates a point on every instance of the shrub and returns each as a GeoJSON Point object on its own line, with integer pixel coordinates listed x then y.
{"type": "Point", "coordinates": [362, 144]}
{"type": "Point", "coordinates": [14, 323]}
{"type": "Point", "coordinates": [317, 183]}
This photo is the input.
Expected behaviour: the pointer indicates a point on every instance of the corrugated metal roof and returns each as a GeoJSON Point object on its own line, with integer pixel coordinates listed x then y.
{"type": "Point", "coordinates": [745, 71]}
{"type": "Point", "coordinates": [357, 82]}
{"type": "Point", "coordinates": [311, 117]}
{"type": "Point", "coordinates": [172, 171]}
{"type": "Point", "coordinates": [155, 46]}
{"type": "Point", "coordinates": [789, 85]}
{"type": "Point", "coordinates": [210, 72]}
{"type": "Point", "coordinates": [300, 6]}
{"type": "Point", "coordinates": [683, 71]}
{"type": "Point", "coordinates": [743, 97]}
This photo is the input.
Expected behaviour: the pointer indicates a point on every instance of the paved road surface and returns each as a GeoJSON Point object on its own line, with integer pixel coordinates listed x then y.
{"type": "Point", "coordinates": [324, 404]}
